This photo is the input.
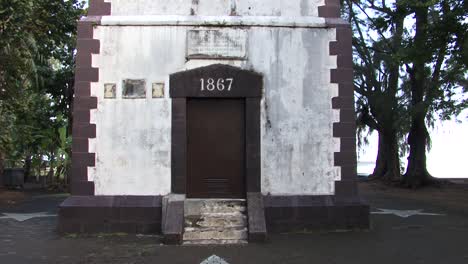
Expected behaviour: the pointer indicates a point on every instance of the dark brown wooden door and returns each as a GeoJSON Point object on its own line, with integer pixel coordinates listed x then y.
{"type": "Point", "coordinates": [215, 148]}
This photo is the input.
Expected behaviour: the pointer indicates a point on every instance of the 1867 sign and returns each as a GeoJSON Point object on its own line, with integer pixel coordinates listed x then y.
{"type": "Point", "coordinates": [216, 80]}
{"type": "Point", "coordinates": [220, 84]}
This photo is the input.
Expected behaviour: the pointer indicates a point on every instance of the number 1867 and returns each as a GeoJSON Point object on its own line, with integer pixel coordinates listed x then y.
{"type": "Point", "coordinates": [220, 84]}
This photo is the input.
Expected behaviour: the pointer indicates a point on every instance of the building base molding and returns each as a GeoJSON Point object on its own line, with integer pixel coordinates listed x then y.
{"type": "Point", "coordinates": [299, 213]}
{"type": "Point", "coordinates": [111, 214]}
{"type": "Point", "coordinates": [144, 214]}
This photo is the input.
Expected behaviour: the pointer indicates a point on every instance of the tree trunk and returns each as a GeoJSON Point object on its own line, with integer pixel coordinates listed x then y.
{"type": "Point", "coordinates": [416, 174]}
{"type": "Point", "coordinates": [388, 163]}
{"type": "Point", "coordinates": [393, 161]}
{"type": "Point", "coordinates": [50, 174]}
{"type": "Point", "coordinates": [388, 160]}
{"type": "Point", "coordinates": [27, 168]}
{"type": "Point", "coordinates": [58, 171]}
{"type": "Point", "coordinates": [380, 164]}
{"type": "Point", "coordinates": [2, 166]}
{"type": "Point", "coordinates": [67, 173]}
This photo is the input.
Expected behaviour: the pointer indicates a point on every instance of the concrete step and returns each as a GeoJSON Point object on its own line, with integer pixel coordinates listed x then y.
{"type": "Point", "coordinates": [214, 242]}
{"type": "Point", "coordinates": [217, 220]}
{"type": "Point", "coordinates": [195, 234]}
{"type": "Point", "coordinates": [219, 206]}
{"type": "Point", "coordinates": [222, 210]}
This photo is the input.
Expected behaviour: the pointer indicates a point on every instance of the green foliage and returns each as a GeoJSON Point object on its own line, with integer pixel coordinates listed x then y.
{"type": "Point", "coordinates": [37, 42]}
{"type": "Point", "coordinates": [17, 47]}
{"type": "Point", "coordinates": [6, 128]}
{"type": "Point", "coordinates": [378, 47]}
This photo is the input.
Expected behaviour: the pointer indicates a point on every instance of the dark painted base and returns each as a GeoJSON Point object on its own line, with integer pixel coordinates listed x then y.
{"type": "Point", "coordinates": [110, 214]}
{"type": "Point", "coordinates": [296, 213]}
{"type": "Point", "coordinates": [173, 219]}
{"type": "Point", "coordinates": [256, 213]}
{"type": "Point", "coordinates": [143, 214]}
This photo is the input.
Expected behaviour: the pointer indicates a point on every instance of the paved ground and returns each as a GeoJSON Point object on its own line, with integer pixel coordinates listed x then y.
{"type": "Point", "coordinates": [418, 238]}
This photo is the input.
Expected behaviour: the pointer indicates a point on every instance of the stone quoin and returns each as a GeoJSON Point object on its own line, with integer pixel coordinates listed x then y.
{"type": "Point", "coordinates": [200, 117]}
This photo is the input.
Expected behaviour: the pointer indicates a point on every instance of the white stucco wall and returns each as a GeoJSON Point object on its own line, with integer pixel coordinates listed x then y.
{"type": "Point", "coordinates": [297, 117]}
{"type": "Point", "coordinates": [133, 144]}
{"type": "Point", "coordinates": [217, 7]}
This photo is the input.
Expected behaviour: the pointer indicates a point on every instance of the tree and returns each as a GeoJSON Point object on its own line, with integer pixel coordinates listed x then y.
{"type": "Point", "coordinates": [435, 68]}
{"type": "Point", "coordinates": [409, 63]}
{"type": "Point", "coordinates": [37, 40]}
{"type": "Point", "coordinates": [377, 75]}
{"type": "Point", "coordinates": [5, 136]}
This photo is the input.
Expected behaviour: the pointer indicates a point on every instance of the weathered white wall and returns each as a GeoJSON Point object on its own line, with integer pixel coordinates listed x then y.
{"type": "Point", "coordinates": [133, 143]}
{"type": "Point", "coordinates": [297, 117]}
{"type": "Point", "coordinates": [217, 7]}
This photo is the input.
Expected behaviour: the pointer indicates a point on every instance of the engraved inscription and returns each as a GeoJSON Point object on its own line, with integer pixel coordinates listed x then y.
{"type": "Point", "coordinates": [226, 43]}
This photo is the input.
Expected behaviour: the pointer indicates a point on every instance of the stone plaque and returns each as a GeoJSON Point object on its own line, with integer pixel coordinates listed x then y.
{"type": "Point", "coordinates": [110, 90]}
{"type": "Point", "coordinates": [225, 43]}
{"type": "Point", "coordinates": [158, 90]}
{"type": "Point", "coordinates": [134, 89]}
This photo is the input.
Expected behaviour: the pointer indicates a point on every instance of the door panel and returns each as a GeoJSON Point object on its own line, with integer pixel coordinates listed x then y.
{"type": "Point", "coordinates": [216, 148]}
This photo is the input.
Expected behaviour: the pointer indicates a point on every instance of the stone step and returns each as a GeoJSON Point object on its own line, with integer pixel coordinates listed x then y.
{"type": "Point", "coordinates": [222, 210]}
{"type": "Point", "coordinates": [215, 214]}
{"type": "Point", "coordinates": [217, 220]}
{"type": "Point", "coordinates": [215, 242]}
{"type": "Point", "coordinates": [195, 234]}
{"type": "Point", "coordinates": [200, 207]}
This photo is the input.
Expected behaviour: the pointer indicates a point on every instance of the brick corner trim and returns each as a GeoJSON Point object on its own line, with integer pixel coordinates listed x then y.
{"type": "Point", "coordinates": [331, 9]}
{"type": "Point", "coordinates": [99, 8]}
{"type": "Point", "coordinates": [342, 75]}
{"type": "Point", "coordinates": [83, 103]}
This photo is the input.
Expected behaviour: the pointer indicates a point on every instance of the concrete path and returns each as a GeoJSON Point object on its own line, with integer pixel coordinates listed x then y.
{"type": "Point", "coordinates": [403, 231]}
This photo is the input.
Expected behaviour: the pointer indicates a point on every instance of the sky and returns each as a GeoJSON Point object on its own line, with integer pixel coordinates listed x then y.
{"type": "Point", "coordinates": [446, 159]}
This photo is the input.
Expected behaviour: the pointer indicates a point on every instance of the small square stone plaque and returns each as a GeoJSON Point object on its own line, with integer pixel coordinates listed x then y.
{"type": "Point", "coordinates": [158, 90]}
{"type": "Point", "coordinates": [110, 90]}
{"type": "Point", "coordinates": [134, 89]}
